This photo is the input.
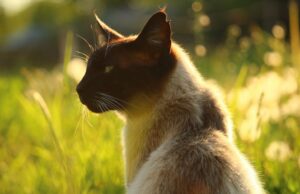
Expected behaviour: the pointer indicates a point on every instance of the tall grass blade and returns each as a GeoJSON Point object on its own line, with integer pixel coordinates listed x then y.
{"type": "Point", "coordinates": [61, 156]}
{"type": "Point", "coordinates": [294, 32]}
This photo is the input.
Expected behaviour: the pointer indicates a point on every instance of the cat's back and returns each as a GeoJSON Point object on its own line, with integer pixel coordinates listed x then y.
{"type": "Point", "coordinates": [192, 163]}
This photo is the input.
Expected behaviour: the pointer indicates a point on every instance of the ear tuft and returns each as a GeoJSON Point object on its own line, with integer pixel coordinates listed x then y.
{"type": "Point", "coordinates": [157, 31]}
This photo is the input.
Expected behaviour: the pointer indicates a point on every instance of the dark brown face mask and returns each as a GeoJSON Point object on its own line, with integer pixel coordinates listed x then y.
{"type": "Point", "coordinates": [124, 67]}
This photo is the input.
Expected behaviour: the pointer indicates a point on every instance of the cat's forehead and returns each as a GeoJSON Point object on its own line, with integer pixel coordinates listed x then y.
{"type": "Point", "coordinates": [122, 53]}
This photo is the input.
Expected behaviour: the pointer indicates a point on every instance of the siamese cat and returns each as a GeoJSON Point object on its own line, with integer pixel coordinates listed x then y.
{"type": "Point", "coordinates": [177, 134]}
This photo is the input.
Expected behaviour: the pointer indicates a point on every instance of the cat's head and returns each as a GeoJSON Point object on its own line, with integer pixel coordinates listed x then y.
{"type": "Point", "coordinates": [124, 67]}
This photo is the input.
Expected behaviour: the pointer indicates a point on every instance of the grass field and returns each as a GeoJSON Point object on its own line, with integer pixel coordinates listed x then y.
{"type": "Point", "coordinates": [70, 150]}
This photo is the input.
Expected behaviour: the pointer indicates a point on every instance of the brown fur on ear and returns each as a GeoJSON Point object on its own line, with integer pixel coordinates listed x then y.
{"type": "Point", "coordinates": [104, 32]}
{"type": "Point", "coordinates": [157, 32]}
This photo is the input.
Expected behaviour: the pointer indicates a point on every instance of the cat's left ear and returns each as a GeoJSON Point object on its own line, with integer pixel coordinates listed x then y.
{"type": "Point", "coordinates": [157, 32]}
{"type": "Point", "coordinates": [104, 33]}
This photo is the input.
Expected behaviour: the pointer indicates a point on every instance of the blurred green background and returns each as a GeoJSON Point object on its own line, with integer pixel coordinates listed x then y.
{"type": "Point", "coordinates": [49, 143]}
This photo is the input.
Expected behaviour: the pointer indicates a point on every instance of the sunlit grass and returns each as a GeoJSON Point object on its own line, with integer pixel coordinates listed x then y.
{"type": "Point", "coordinates": [50, 144]}
{"type": "Point", "coordinates": [47, 143]}
{"type": "Point", "coordinates": [66, 152]}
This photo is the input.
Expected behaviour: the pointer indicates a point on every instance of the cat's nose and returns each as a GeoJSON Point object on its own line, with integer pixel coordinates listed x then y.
{"type": "Point", "coordinates": [81, 94]}
{"type": "Point", "coordinates": [79, 89]}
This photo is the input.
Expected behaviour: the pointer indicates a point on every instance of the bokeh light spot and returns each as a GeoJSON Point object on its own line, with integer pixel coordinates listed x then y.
{"type": "Point", "coordinates": [200, 50]}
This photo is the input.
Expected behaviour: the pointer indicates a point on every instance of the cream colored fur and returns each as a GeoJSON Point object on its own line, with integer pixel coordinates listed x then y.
{"type": "Point", "coordinates": [152, 142]}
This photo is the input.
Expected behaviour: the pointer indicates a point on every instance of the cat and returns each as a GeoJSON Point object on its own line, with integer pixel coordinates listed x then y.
{"type": "Point", "coordinates": [177, 138]}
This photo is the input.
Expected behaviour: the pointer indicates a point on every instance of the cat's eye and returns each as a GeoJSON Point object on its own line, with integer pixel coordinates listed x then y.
{"type": "Point", "coordinates": [108, 69]}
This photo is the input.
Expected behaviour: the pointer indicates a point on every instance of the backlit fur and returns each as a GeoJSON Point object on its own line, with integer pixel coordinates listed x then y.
{"type": "Point", "coordinates": [177, 138]}
{"type": "Point", "coordinates": [172, 147]}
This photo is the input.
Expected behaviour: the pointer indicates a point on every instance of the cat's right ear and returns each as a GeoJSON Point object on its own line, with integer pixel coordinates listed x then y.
{"type": "Point", "coordinates": [104, 33]}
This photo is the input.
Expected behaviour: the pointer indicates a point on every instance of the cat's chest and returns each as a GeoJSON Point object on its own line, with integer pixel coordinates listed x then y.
{"type": "Point", "coordinates": [136, 145]}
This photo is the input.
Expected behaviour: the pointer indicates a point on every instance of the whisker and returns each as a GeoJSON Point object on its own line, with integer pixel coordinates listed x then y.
{"type": "Point", "coordinates": [109, 96]}
{"type": "Point", "coordinates": [86, 116]}
{"type": "Point", "coordinates": [87, 42]}
{"type": "Point", "coordinates": [119, 100]}
{"type": "Point", "coordinates": [117, 104]}
{"type": "Point", "coordinates": [100, 105]}
{"type": "Point", "coordinates": [112, 100]}
{"type": "Point", "coordinates": [111, 103]}
{"type": "Point", "coordinates": [94, 36]}
{"type": "Point", "coordinates": [106, 107]}
{"type": "Point", "coordinates": [82, 58]}
{"type": "Point", "coordinates": [79, 121]}
{"type": "Point", "coordinates": [106, 101]}
{"type": "Point", "coordinates": [82, 53]}
{"type": "Point", "coordinates": [103, 107]}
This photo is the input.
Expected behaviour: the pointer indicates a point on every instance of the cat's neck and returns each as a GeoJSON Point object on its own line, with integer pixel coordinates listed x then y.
{"type": "Point", "coordinates": [159, 117]}
{"type": "Point", "coordinates": [183, 88]}
{"type": "Point", "coordinates": [153, 118]}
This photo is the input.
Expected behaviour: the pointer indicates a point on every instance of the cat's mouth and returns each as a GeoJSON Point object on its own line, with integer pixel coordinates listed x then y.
{"type": "Point", "coordinates": [93, 106]}
{"type": "Point", "coordinates": [96, 106]}
{"type": "Point", "coordinates": [100, 103]}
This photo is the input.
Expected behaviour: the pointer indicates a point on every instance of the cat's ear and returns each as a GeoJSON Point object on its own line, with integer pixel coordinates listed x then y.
{"type": "Point", "coordinates": [104, 32]}
{"type": "Point", "coordinates": [157, 32]}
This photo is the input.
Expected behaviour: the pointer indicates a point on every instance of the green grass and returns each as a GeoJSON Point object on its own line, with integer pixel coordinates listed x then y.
{"type": "Point", "coordinates": [74, 151]}
{"type": "Point", "coordinates": [30, 159]}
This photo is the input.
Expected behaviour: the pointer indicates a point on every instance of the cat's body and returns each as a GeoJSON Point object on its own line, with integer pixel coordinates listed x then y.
{"type": "Point", "coordinates": [177, 138]}
{"type": "Point", "coordinates": [182, 143]}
